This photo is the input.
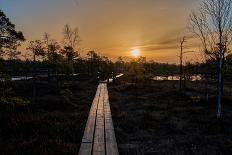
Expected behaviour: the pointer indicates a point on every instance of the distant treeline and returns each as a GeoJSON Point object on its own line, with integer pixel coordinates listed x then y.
{"type": "Point", "coordinates": [96, 65]}
{"type": "Point", "coordinates": [48, 56]}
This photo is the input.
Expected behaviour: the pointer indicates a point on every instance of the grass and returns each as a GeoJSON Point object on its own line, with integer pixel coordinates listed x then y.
{"type": "Point", "coordinates": [158, 120]}
{"type": "Point", "coordinates": [54, 125]}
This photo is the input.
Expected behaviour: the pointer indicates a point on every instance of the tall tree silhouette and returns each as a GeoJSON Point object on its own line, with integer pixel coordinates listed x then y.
{"type": "Point", "coordinates": [213, 25]}
{"type": "Point", "coordinates": [182, 41]}
{"type": "Point", "coordinates": [52, 52]}
{"type": "Point", "coordinates": [71, 43]}
{"type": "Point", "coordinates": [37, 48]}
{"type": "Point", "coordinates": [94, 61]}
{"type": "Point", "coordinates": [9, 38]}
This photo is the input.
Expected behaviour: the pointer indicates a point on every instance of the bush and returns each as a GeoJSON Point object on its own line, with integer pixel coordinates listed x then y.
{"type": "Point", "coordinates": [12, 102]}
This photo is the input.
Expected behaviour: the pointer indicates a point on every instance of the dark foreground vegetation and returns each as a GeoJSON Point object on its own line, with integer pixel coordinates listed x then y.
{"type": "Point", "coordinates": [54, 125]}
{"type": "Point", "coordinates": [159, 120]}
{"type": "Point", "coordinates": [47, 114]}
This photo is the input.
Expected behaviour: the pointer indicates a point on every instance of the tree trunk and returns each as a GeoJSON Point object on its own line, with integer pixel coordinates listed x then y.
{"type": "Point", "coordinates": [181, 65]}
{"type": "Point", "coordinates": [34, 82]}
{"type": "Point", "coordinates": [206, 89]}
{"type": "Point", "coordinates": [219, 85]}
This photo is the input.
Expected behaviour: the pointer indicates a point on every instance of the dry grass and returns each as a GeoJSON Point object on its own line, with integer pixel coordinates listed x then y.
{"type": "Point", "coordinates": [160, 121]}
{"type": "Point", "coordinates": [52, 126]}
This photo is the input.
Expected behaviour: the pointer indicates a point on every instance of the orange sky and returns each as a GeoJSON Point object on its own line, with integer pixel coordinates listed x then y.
{"type": "Point", "coordinates": [111, 27]}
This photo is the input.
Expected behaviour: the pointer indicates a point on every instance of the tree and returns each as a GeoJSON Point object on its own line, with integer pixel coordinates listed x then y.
{"type": "Point", "coordinates": [12, 51]}
{"type": "Point", "coordinates": [71, 42]}
{"type": "Point", "coordinates": [70, 55]}
{"type": "Point", "coordinates": [228, 66]}
{"type": "Point", "coordinates": [38, 49]}
{"type": "Point", "coordinates": [52, 53]}
{"type": "Point", "coordinates": [213, 25]}
{"type": "Point", "coordinates": [106, 68]}
{"type": "Point", "coordinates": [94, 61]}
{"type": "Point", "coordinates": [9, 38]}
{"type": "Point", "coordinates": [136, 72]}
{"type": "Point", "coordinates": [71, 37]}
{"type": "Point", "coordinates": [182, 41]}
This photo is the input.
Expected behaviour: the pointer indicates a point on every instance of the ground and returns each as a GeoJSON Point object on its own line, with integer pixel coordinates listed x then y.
{"type": "Point", "coordinates": [54, 125]}
{"type": "Point", "coordinates": [158, 120]}
{"type": "Point", "coordinates": [151, 117]}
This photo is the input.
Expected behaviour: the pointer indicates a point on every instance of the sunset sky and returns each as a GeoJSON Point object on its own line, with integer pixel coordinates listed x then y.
{"type": "Point", "coordinates": [111, 27]}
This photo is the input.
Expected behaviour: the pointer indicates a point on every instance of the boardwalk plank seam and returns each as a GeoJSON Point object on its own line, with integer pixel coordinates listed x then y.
{"type": "Point", "coordinates": [99, 137]}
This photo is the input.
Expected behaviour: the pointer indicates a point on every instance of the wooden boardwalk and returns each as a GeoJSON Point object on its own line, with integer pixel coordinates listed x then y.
{"type": "Point", "coordinates": [99, 137]}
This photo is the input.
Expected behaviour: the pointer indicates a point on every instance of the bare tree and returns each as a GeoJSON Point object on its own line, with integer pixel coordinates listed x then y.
{"type": "Point", "coordinates": [182, 41]}
{"type": "Point", "coordinates": [51, 45]}
{"type": "Point", "coordinates": [71, 43]}
{"type": "Point", "coordinates": [51, 49]}
{"type": "Point", "coordinates": [213, 25]}
{"type": "Point", "coordinates": [182, 52]}
{"type": "Point", "coordinates": [37, 48]}
{"type": "Point", "coordinates": [46, 38]}
{"type": "Point", "coordinates": [71, 37]}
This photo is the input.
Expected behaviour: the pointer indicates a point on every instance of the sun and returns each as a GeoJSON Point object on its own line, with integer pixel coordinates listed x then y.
{"type": "Point", "coordinates": [135, 52]}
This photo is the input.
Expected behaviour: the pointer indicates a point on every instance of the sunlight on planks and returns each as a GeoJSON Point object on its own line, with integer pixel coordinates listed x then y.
{"type": "Point", "coordinates": [99, 137]}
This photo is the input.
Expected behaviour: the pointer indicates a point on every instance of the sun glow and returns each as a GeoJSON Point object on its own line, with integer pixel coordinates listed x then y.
{"type": "Point", "coordinates": [135, 52]}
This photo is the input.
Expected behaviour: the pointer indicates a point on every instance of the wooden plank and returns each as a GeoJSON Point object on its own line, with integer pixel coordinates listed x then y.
{"type": "Point", "coordinates": [90, 125]}
{"type": "Point", "coordinates": [87, 140]}
{"type": "Point", "coordinates": [85, 149]}
{"type": "Point", "coordinates": [99, 137]}
{"type": "Point", "coordinates": [111, 144]}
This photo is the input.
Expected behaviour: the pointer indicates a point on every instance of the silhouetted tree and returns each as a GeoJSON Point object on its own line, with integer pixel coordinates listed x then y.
{"type": "Point", "coordinates": [228, 66]}
{"type": "Point", "coordinates": [9, 38]}
{"type": "Point", "coordinates": [9, 41]}
{"type": "Point", "coordinates": [182, 41]}
{"type": "Point", "coordinates": [70, 55]}
{"type": "Point", "coordinates": [71, 37]}
{"type": "Point", "coordinates": [136, 72]}
{"type": "Point", "coordinates": [53, 56]}
{"type": "Point", "coordinates": [213, 25]}
{"type": "Point", "coordinates": [94, 60]}
{"type": "Point", "coordinates": [38, 49]}
{"type": "Point", "coordinates": [71, 43]}
{"type": "Point", "coordinates": [119, 65]}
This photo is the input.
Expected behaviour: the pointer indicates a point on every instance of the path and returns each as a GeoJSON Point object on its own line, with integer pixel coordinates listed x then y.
{"type": "Point", "coordinates": [99, 137]}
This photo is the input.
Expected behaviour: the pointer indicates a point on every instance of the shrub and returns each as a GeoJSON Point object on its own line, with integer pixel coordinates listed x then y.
{"type": "Point", "coordinates": [12, 102]}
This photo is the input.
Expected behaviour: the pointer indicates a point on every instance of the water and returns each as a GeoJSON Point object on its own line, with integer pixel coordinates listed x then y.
{"type": "Point", "coordinates": [117, 76]}
{"type": "Point", "coordinates": [20, 78]}
{"type": "Point", "coordinates": [177, 78]}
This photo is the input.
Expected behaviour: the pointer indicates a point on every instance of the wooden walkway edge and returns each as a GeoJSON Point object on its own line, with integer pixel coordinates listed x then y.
{"type": "Point", "coordinates": [99, 137]}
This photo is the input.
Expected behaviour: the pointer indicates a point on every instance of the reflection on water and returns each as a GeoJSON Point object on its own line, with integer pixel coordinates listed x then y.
{"type": "Point", "coordinates": [177, 77]}
{"type": "Point", "coordinates": [17, 78]}
{"type": "Point", "coordinates": [20, 78]}
{"type": "Point", "coordinates": [117, 76]}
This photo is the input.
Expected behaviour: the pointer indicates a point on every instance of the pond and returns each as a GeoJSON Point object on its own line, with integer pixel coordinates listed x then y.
{"type": "Point", "coordinates": [177, 78]}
